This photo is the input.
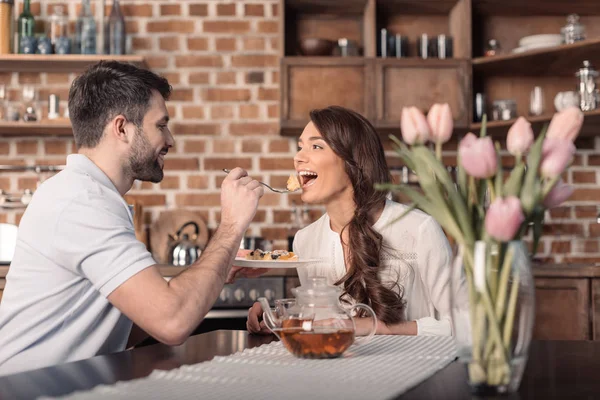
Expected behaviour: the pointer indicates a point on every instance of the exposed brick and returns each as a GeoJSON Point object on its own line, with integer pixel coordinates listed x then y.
{"type": "Point", "coordinates": [226, 95]}
{"type": "Point", "coordinates": [50, 8]}
{"type": "Point", "coordinates": [279, 180]}
{"type": "Point", "coordinates": [35, 8]}
{"type": "Point", "coordinates": [268, 27]}
{"type": "Point", "coordinates": [249, 128]}
{"type": "Point", "coordinates": [62, 93]}
{"type": "Point", "coordinates": [560, 247]}
{"type": "Point", "coordinates": [27, 147]}
{"type": "Point", "coordinates": [197, 44]}
{"type": "Point", "coordinates": [196, 129]}
{"type": "Point", "coordinates": [157, 62]}
{"type": "Point", "coordinates": [198, 61]}
{"type": "Point", "coordinates": [5, 184]}
{"type": "Point", "coordinates": [581, 260]}
{"type": "Point", "coordinates": [57, 78]}
{"type": "Point", "coordinates": [170, 9]}
{"type": "Point", "coordinates": [193, 112]}
{"type": "Point", "coordinates": [273, 111]}
{"type": "Point", "coordinates": [586, 211]}
{"type": "Point", "coordinates": [217, 164]}
{"type": "Point", "coordinates": [199, 10]}
{"type": "Point", "coordinates": [595, 230]}
{"type": "Point", "coordinates": [584, 176]}
{"type": "Point", "coordinates": [585, 195]}
{"type": "Point", "coordinates": [55, 147]}
{"type": "Point", "coordinates": [18, 217]}
{"type": "Point", "coordinates": [279, 146]}
{"type": "Point", "coordinates": [221, 112]}
{"type": "Point", "coordinates": [198, 182]}
{"type": "Point", "coordinates": [252, 146]}
{"type": "Point", "coordinates": [274, 43]}
{"type": "Point", "coordinates": [560, 213]}
{"type": "Point", "coordinates": [254, 10]}
{"type": "Point", "coordinates": [276, 164]}
{"type": "Point", "coordinates": [170, 182]}
{"type": "Point", "coordinates": [29, 78]}
{"type": "Point", "coordinates": [199, 78]}
{"type": "Point", "coordinates": [226, 26]}
{"type": "Point", "coordinates": [198, 199]}
{"type": "Point", "coordinates": [275, 9]}
{"type": "Point", "coordinates": [176, 26]}
{"type": "Point", "coordinates": [181, 94]}
{"type": "Point", "coordinates": [146, 200]}
{"type": "Point", "coordinates": [184, 164]}
{"type": "Point", "coordinates": [254, 43]}
{"type": "Point", "coordinates": [147, 186]}
{"type": "Point", "coordinates": [275, 79]}
{"type": "Point", "coordinates": [268, 94]}
{"type": "Point", "coordinates": [586, 246]}
{"type": "Point", "coordinates": [226, 78]}
{"type": "Point", "coordinates": [136, 10]}
{"type": "Point", "coordinates": [194, 146]}
{"type": "Point", "coordinates": [4, 148]}
{"type": "Point", "coordinates": [255, 77]}
{"type": "Point", "coordinates": [226, 10]}
{"type": "Point", "coordinates": [5, 77]}
{"type": "Point", "coordinates": [274, 233]}
{"type": "Point", "coordinates": [563, 229]}
{"type": "Point", "coordinates": [280, 217]}
{"type": "Point", "coordinates": [173, 78]}
{"type": "Point", "coordinates": [260, 216]}
{"type": "Point", "coordinates": [594, 160]}
{"type": "Point", "coordinates": [225, 44]}
{"type": "Point", "coordinates": [223, 146]}
{"type": "Point", "coordinates": [141, 43]}
{"type": "Point", "coordinates": [169, 43]}
{"type": "Point", "coordinates": [131, 27]}
{"type": "Point", "coordinates": [249, 111]}
{"type": "Point", "coordinates": [255, 61]}
{"type": "Point", "coordinates": [27, 183]}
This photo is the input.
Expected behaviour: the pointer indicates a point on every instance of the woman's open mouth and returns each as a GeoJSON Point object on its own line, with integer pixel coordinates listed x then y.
{"type": "Point", "coordinates": [307, 178]}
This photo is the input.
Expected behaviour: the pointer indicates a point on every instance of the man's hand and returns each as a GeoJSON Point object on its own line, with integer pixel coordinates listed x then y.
{"type": "Point", "coordinates": [239, 199]}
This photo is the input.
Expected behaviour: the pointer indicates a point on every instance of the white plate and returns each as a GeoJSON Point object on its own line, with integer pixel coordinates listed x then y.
{"type": "Point", "coordinates": [242, 262]}
{"type": "Point", "coordinates": [551, 39]}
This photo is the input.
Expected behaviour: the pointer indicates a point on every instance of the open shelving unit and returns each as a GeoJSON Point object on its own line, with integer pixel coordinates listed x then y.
{"type": "Point", "coordinates": [379, 87]}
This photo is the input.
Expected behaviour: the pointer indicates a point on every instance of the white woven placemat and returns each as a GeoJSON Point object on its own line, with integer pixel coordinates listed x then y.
{"type": "Point", "coordinates": [385, 367]}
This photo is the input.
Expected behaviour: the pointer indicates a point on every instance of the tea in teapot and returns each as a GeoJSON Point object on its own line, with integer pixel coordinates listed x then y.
{"type": "Point", "coordinates": [316, 325]}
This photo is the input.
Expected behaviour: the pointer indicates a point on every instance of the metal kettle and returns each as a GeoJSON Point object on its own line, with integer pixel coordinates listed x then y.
{"type": "Point", "coordinates": [183, 249]}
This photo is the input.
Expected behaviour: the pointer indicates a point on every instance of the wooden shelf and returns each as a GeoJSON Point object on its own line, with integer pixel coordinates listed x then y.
{"type": "Point", "coordinates": [340, 7]}
{"type": "Point", "coordinates": [59, 62]}
{"type": "Point", "coordinates": [44, 128]}
{"type": "Point", "coordinates": [421, 7]}
{"type": "Point", "coordinates": [560, 60]}
{"type": "Point", "coordinates": [591, 118]}
{"type": "Point", "coordinates": [292, 128]}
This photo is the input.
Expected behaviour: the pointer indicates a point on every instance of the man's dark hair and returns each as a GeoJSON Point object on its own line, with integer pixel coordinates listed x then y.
{"type": "Point", "coordinates": [108, 89]}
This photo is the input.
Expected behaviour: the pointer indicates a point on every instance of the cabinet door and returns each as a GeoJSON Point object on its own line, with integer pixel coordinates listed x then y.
{"type": "Point", "coordinates": [318, 82]}
{"type": "Point", "coordinates": [562, 309]}
{"type": "Point", "coordinates": [421, 83]}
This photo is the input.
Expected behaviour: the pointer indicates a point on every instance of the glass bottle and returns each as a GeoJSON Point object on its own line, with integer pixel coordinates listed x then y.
{"type": "Point", "coordinates": [58, 30]}
{"type": "Point", "coordinates": [573, 31]}
{"type": "Point", "coordinates": [116, 30]}
{"type": "Point", "coordinates": [85, 35]}
{"type": "Point", "coordinates": [26, 25]}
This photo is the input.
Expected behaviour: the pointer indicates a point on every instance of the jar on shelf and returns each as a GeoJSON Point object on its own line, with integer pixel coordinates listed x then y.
{"type": "Point", "coordinates": [573, 31]}
{"type": "Point", "coordinates": [58, 30]}
{"type": "Point", "coordinates": [492, 48]}
{"type": "Point", "coordinates": [504, 110]}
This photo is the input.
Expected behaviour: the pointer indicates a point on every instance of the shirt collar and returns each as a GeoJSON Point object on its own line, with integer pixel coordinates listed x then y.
{"type": "Point", "coordinates": [82, 164]}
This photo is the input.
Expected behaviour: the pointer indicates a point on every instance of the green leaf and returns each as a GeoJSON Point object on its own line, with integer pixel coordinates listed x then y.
{"type": "Point", "coordinates": [483, 131]}
{"type": "Point", "coordinates": [512, 187]}
{"type": "Point", "coordinates": [499, 173]}
{"type": "Point", "coordinates": [531, 192]}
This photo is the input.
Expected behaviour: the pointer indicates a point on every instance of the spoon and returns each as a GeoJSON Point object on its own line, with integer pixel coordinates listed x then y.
{"type": "Point", "coordinates": [267, 186]}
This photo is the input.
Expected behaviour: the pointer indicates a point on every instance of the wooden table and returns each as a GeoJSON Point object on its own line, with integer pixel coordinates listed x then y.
{"type": "Point", "coordinates": [556, 369]}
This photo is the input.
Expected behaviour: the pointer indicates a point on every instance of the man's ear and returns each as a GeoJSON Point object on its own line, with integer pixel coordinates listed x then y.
{"type": "Point", "coordinates": [119, 129]}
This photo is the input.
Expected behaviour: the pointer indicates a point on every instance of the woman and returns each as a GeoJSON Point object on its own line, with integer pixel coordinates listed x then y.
{"type": "Point", "coordinates": [400, 268]}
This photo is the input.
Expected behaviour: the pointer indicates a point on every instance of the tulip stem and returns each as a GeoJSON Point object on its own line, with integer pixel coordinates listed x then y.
{"type": "Point", "coordinates": [438, 150]}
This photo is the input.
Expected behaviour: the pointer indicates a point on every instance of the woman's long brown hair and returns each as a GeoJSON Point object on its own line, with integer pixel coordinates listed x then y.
{"type": "Point", "coordinates": [354, 140]}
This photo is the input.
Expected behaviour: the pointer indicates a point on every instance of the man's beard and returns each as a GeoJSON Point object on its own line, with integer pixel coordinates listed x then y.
{"type": "Point", "coordinates": [143, 163]}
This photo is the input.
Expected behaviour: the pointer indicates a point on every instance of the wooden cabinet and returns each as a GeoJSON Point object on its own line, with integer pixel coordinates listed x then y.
{"type": "Point", "coordinates": [567, 302]}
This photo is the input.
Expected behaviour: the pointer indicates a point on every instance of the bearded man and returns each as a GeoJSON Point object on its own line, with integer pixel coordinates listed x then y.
{"type": "Point", "coordinates": [79, 277]}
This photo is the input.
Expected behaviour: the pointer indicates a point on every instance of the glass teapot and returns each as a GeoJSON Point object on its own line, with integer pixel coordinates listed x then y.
{"type": "Point", "coordinates": [316, 325]}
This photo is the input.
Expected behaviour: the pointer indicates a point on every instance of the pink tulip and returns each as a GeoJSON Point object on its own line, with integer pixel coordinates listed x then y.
{"type": "Point", "coordinates": [478, 156]}
{"type": "Point", "coordinates": [520, 137]}
{"type": "Point", "coordinates": [504, 218]}
{"type": "Point", "coordinates": [440, 122]}
{"type": "Point", "coordinates": [557, 154]}
{"type": "Point", "coordinates": [566, 124]}
{"type": "Point", "coordinates": [558, 194]}
{"type": "Point", "coordinates": [413, 124]}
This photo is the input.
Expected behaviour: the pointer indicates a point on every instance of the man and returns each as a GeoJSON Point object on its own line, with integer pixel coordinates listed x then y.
{"type": "Point", "coordinates": [79, 276]}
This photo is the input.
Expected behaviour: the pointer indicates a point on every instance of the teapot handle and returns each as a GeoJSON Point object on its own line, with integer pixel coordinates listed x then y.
{"type": "Point", "coordinates": [195, 225]}
{"type": "Point", "coordinates": [366, 339]}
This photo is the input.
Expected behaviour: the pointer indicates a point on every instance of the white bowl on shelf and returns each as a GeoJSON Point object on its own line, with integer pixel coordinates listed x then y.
{"type": "Point", "coordinates": [544, 39]}
{"type": "Point", "coordinates": [523, 49]}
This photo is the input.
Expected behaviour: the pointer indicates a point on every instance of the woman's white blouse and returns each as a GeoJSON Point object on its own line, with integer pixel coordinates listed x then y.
{"type": "Point", "coordinates": [416, 255]}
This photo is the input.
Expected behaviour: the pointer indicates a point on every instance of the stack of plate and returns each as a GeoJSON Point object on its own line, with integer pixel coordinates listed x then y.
{"type": "Point", "coordinates": [538, 42]}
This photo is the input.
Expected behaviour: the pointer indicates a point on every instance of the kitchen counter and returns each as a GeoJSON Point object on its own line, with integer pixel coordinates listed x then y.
{"type": "Point", "coordinates": [555, 370]}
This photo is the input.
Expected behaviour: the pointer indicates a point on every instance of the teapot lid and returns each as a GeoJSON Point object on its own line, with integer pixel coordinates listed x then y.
{"type": "Point", "coordinates": [316, 287]}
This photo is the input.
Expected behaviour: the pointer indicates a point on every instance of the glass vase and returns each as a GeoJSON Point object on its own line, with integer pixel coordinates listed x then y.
{"type": "Point", "coordinates": [493, 311]}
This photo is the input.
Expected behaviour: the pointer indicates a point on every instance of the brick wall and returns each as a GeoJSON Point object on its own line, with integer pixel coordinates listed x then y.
{"type": "Point", "coordinates": [222, 59]}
